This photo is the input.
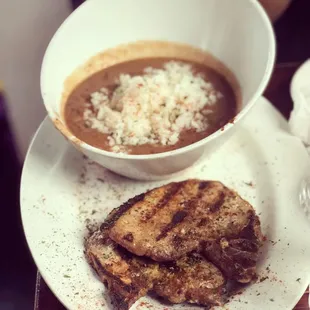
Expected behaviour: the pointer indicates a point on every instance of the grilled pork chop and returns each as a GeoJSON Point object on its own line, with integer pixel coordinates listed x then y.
{"type": "Point", "coordinates": [168, 222]}
{"type": "Point", "coordinates": [129, 277]}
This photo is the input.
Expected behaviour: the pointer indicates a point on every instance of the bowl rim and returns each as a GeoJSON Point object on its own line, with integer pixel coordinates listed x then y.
{"type": "Point", "coordinates": [262, 85]}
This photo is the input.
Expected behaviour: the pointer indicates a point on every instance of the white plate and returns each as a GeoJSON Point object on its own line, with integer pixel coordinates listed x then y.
{"type": "Point", "coordinates": [61, 192]}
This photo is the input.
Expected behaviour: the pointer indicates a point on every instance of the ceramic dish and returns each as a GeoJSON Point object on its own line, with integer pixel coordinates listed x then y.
{"type": "Point", "coordinates": [62, 192]}
{"type": "Point", "coordinates": [238, 33]}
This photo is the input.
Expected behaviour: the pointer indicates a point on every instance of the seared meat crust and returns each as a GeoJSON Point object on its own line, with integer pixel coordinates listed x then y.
{"type": "Point", "coordinates": [191, 279]}
{"type": "Point", "coordinates": [168, 222]}
{"type": "Point", "coordinates": [237, 256]}
{"type": "Point", "coordinates": [181, 241]}
{"type": "Point", "coordinates": [126, 276]}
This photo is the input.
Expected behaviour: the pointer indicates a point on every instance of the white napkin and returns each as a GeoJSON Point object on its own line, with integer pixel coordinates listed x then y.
{"type": "Point", "coordinates": [299, 120]}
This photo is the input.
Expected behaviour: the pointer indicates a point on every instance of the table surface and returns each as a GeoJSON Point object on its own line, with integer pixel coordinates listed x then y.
{"type": "Point", "coordinates": [278, 93]}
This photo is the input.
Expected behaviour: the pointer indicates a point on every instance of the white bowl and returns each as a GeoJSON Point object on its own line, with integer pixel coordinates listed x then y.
{"type": "Point", "coordinates": [237, 32]}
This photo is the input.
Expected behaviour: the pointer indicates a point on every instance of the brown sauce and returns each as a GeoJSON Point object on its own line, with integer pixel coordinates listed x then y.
{"type": "Point", "coordinates": [224, 110]}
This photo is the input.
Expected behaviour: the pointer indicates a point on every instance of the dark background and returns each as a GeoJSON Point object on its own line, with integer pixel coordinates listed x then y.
{"type": "Point", "coordinates": [17, 270]}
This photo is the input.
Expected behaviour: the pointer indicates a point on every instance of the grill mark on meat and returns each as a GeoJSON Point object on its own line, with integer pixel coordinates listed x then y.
{"type": "Point", "coordinates": [217, 205]}
{"type": "Point", "coordinates": [175, 188]}
{"type": "Point", "coordinates": [177, 218]}
{"type": "Point", "coordinates": [115, 215]}
{"type": "Point", "coordinates": [204, 184]}
{"type": "Point", "coordinates": [128, 237]}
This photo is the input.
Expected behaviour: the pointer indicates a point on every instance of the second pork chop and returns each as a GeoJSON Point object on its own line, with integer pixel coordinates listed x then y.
{"type": "Point", "coordinates": [128, 277]}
